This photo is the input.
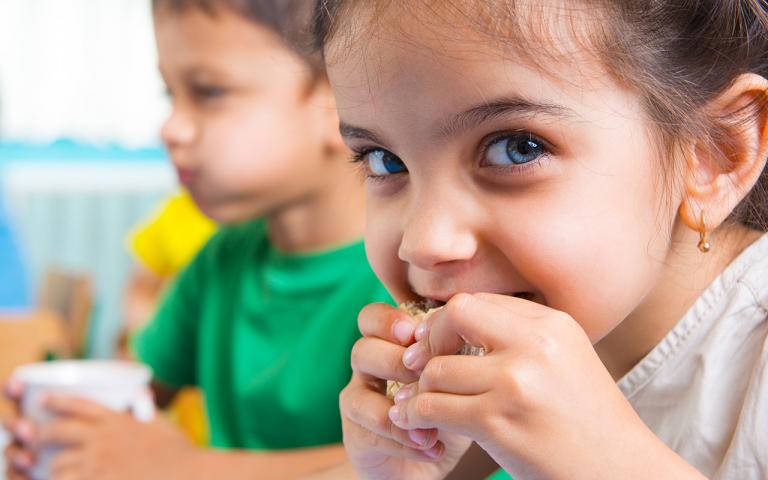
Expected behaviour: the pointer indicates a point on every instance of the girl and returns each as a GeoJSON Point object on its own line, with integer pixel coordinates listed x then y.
{"type": "Point", "coordinates": [582, 186]}
{"type": "Point", "coordinates": [262, 320]}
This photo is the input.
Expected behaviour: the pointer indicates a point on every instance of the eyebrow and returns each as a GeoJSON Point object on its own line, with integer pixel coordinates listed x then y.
{"type": "Point", "coordinates": [498, 108]}
{"type": "Point", "coordinates": [474, 116]}
{"type": "Point", "coordinates": [349, 131]}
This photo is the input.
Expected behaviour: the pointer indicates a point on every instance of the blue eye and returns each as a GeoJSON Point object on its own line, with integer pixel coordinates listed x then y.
{"type": "Point", "coordinates": [515, 149]}
{"type": "Point", "coordinates": [381, 163]}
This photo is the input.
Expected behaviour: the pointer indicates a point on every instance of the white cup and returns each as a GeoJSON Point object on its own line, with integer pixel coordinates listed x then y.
{"type": "Point", "coordinates": [121, 386]}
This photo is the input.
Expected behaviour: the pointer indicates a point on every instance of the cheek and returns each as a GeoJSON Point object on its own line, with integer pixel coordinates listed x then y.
{"type": "Point", "coordinates": [383, 234]}
{"type": "Point", "coordinates": [255, 146]}
{"type": "Point", "coordinates": [595, 246]}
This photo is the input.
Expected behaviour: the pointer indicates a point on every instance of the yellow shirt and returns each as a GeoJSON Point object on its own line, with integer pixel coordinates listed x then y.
{"type": "Point", "coordinates": [169, 240]}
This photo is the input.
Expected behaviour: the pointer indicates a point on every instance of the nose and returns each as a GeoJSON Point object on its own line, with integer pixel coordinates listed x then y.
{"type": "Point", "coordinates": [179, 129]}
{"type": "Point", "coordinates": [437, 232]}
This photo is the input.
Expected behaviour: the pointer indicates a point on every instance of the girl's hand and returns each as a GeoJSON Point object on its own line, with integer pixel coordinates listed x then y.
{"type": "Point", "coordinates": [540, 401]}
{"type": "Point", "coordinates": [376, 448]}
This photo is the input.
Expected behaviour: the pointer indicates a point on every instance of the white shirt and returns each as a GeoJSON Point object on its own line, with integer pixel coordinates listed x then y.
{"type": "Point", "coordinates": [704, 388]}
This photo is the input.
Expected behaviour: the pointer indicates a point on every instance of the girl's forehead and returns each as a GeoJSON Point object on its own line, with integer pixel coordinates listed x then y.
{"type": "Point", "coordinates": [429, 80]}
{"type": "Point", "coordinates": [539, 32]}
{"type": "Point", "coordinates": [423, 53]}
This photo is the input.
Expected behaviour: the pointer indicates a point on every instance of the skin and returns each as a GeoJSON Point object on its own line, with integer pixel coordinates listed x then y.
{"type": "Point", "coordinates": [602, 252]}
{"type": "Point", "coordinates": [252, 134]}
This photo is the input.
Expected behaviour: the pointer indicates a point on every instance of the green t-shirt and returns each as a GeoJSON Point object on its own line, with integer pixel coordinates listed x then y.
{"type": "Point", "coordinates": [499, 475]}
{"type": "Point", "coordinates": [266, 335]}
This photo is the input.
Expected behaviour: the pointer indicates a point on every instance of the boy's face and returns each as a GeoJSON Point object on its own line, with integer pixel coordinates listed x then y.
{"type": "Point", "coordinates": [245, 132]}
{"type": "Point", "coordinates": [487, 175]}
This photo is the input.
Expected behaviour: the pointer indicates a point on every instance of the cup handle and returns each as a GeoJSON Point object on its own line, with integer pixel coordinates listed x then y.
{"type": "Point", "coordinates": [143, 408]}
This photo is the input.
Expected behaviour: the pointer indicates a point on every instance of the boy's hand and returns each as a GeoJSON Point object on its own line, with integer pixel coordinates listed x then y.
{"type": "Point", "coordinates": [99, 443]}
{"type": "Point", "coordinates": [376, 448]}
{"type": "Point", "coordinates": [540, 401]}
{"type": "Point", "coordinates": [17, 457]}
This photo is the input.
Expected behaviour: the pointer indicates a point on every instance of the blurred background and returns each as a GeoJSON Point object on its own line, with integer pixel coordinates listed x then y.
{"type": "Point", "coordinates": [81, 169]}
{"type": "Point", "coordinates": [81, 103]}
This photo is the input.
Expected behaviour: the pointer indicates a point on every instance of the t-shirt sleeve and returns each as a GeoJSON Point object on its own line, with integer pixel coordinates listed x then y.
{"type": "Point", "coordinates": [172, 236]}
{"type": "Point", "coordinates": [169, 342]}
{"type": "Point", "coordinates": [147, 244]}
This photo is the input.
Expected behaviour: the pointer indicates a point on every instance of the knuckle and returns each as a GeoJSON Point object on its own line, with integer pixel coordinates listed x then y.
{"type": "Point", "coordinates": [424, 406]}
{"type": "Point", "coordinates": [432, 373]}
{"type": "Point", "coordinates": [456, 307]}
{"type": "Point", "coordinates": [361, 318]}
{"type": "Point", "coordinates": [561, 323]}
{"type": "Point", "coordinates": [369, 438]}
{"type": "Point", "coordinates": [367, 313]}
{"type": "Point", "coordinates": [511, 380]}
{"type": "Point", "coordinates": [381, 423]}
{"type": "Point", "coordinates": [344, 399]}
{"type": "Point", "coordinates": [356, 355]}
{"type": "Point", "coordinates": [375, 318]}
{"type": "Point", "coordinates": [457, 303]}
{"type": "Point", "coordinates": [351, 405]}
{"type": "Point", "coordinates": [547, 347]}
{"type": "Point", "coordinates": [394, 364]}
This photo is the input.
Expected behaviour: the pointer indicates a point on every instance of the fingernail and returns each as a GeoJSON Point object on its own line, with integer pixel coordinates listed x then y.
{"type": "Point", "coordinates": [418, 436]}
{"type": "Point", "coordinates": [403, 331]}
{"type": "Point", "coordinates": [403, 394]}
{"type": "Point", "coordinates": [434, 452]}
{"type": "Point", "coordinates": [411, 355]}
{"type": "Point", "coordinates": [394, 414]}
{"type": "Point", "coordinates": [421, 331]}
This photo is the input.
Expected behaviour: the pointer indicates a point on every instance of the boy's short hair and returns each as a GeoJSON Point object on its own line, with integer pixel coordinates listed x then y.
{"type": "Point", "coordinates": [290, 19]}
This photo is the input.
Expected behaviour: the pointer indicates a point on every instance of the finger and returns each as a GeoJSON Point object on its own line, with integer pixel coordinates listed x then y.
{"type": "Point", "coordinates": [63, 431]}
{"type": "Point", "coordinates": [14, 389]}
{"type": "Point", "coordinates": [69, 474]}
{"type": "Point", "coordinates": [380, 359]}
{"type": "Point", "coordinates": [65, 463]}
{"type": "Point", "coordinates": [23, 432]}
{"type": "Point", "coordinates": [16, 475]}
{"type": "Point", "coordinates": [456, 374]}
{"type": "Point", "coordinates": [386, 322]}
{"type": "Point", "coordinates": [18, 459]}
{"type": "Point", "coordinates": [356, 437]}
{"type": "Point", "coordinates": [427, 345]}
{"type": "Point", "coordinates": [369, 410]}
{"type": "Point", "coordinates": [476, 320]}
{"type": "Point", "coordinates": [69, 406]}
{"type": "Point", "coordinates": [443, 411]}
{"type": "Point", "coordinates": [524, 306]}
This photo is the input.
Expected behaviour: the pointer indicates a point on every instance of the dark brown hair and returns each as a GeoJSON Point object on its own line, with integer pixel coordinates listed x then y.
{"type": "Point", "coordinates": [291, 20]}
{"type": "Point", "coordinates": [679, 55]}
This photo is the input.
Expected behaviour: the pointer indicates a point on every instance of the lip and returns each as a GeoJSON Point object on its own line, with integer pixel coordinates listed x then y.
{"type": "Point", "coordinates": [443, 297]}
{"type": "Point", "coordinates": [186, 176]}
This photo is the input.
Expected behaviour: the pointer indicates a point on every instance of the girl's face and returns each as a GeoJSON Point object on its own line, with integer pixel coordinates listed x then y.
{"type": "Point", "coordinates": [486, 175]}
{"type": "Point", "coordinates": [245, 132]}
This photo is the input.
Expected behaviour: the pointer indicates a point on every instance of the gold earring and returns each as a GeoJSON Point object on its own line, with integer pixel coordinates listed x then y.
{"type": "Point", "coordinates": [704, 245]}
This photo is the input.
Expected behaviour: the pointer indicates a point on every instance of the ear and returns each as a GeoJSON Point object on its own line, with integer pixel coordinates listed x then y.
{"type": "Point", "coordinates": [721, 170]}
